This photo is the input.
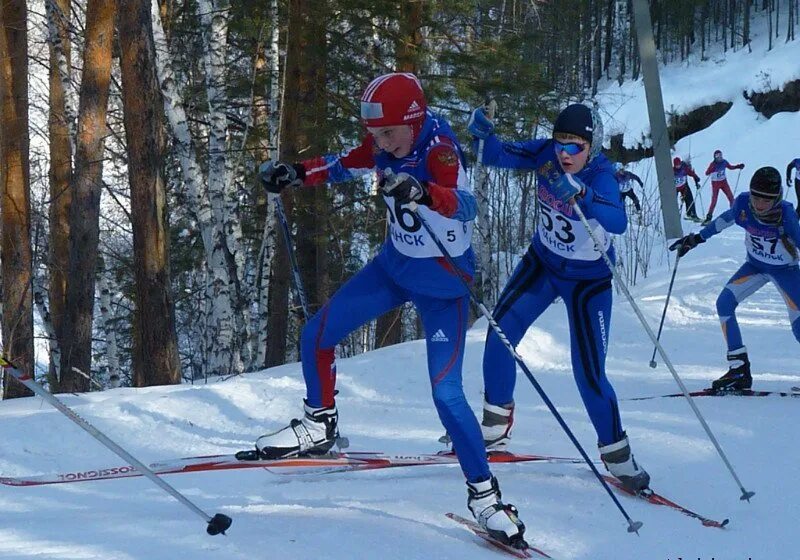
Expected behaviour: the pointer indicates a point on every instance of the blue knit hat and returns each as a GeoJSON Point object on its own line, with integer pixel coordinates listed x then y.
{"type": "Point", "coordinates": [576, 119]}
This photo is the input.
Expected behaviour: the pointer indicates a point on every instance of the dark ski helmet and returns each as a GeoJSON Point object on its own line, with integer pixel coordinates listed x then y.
{"type": "Point", "coordinates": [582, 121]}
{"type": "Point", "coordinates": [766, 183]}
{"type": "Point", "coordinates": [676, 162]}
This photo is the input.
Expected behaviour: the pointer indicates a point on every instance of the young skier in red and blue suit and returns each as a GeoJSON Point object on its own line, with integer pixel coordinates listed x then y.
{"type": "Point", "coordinates": [421, 162]}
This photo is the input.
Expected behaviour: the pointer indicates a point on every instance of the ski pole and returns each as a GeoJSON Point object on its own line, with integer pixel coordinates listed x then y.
{"type": "Point", "coordinates": [633, 526]}
{"type": "Point", "coordinates": [699, 196]}
{"type": "Point", "coordinates": [664, 313]}
{"type": "Point", "coordinates": [217, 524]}
{"type": "Point", "coordinates": [299, 293]}
{"type": "Point", "coordinates": [746, 495]}
{"type": "Point", "coordinates": [736, 188]}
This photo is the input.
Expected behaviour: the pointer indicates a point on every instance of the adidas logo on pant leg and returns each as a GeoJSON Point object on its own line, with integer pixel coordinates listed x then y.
{"type": "Point", "coordinates": [439, 336]}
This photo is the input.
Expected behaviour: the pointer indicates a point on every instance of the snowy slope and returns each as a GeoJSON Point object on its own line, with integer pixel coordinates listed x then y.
{"type": "Point", "coordinates": [385, 405]}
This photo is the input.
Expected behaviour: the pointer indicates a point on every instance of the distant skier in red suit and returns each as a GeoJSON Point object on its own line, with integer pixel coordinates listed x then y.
{"type": "Point", "coordinates": [719, 182]}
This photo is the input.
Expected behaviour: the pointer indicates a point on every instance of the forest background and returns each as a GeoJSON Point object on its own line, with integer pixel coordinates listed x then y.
{"type": "Point", "coordinates": [138, 248]}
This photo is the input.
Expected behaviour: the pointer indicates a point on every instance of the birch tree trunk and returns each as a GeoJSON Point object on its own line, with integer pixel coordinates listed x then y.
{"type": "Point", "coordinates": [86, 185]}
{"type": "Point", "coordinates": [221, 170]}
{"type": "Point", "coordinates": [481, 184]}
{"type": "Point", "coordinates": [105, 324]}
{"type": "Point", "coordinates": [61, 125]}
{"type": "Point", "coordinates": [155, 353]}
{"type": "Point", "coordinates": [15, 205]}
{"type": "Point", "coordinates": [268, 239]}
{"type": "Point", "coordinates": [220, 332]}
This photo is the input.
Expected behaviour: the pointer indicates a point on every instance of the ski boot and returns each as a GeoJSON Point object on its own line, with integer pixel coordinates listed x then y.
{"type": "Point", "coordinates": [738, 377]}
{"type": "Point", "coordinates": [496, 425]}
{"type": "Point", "coordinates": [619, 461]}
{"type": "Point", "coordinates": [314, 434]}
{"type": "Point", "coordinates": [707, 220]}
{"type": "Point", "coordinates": [498, 519]}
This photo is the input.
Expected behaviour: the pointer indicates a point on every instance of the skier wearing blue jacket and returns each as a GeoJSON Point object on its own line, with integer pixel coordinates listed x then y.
{"type": "Point", "coordinates": [562, 261]}
{"type": "Point", "coordinates": [419, 160]}
{"type": "Point", "coordinates": [772, 235]}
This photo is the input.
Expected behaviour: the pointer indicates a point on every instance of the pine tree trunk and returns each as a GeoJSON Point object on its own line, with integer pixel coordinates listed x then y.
{"type": "Point", "coordinates": [15, 213]}
{"type": "Point", "coordinates": [304, 100]}
{"type": "Point", "coordinates": [86, 183]}
{"type": "Point", "coordinates": [155, 352]}
{"type": "Point", "coordinates": [609, 34]}
{"type": "Point", "coordinates": [275, 271]}
{"type": "Point", "coordinates": [61, 124]}
{"type": "Point", "coordinates": [389, 326]}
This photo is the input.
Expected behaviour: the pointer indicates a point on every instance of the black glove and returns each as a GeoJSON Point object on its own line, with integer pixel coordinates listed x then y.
{"type": "Point", "coordinates": [686, 243]}
{"type": "Point", "coordinates": [404, 189]}
{"type": "Point", "coordinates": [277, 175]}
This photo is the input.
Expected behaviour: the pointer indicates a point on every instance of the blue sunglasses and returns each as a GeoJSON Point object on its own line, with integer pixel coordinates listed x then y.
{"type": "Point", "coordinates": [572, 148]}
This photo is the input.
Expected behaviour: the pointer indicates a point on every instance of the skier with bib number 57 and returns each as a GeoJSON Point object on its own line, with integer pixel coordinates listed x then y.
{"type": "Point", "coordinates": [420, 161]}
{"type": "Point", "coordinates": [562, 261]}
{"type": "Point", "coordinates": [772, 235]}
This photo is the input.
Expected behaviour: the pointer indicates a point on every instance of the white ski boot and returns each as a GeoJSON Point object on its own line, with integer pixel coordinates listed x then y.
{"type": "Point", "coordinates": [498, 519]}
{"type": "Point", "coordinates": [314, 434]}
{"type": "Point", "coordinates": [496, 425]}
{"type": "Point", "coordinates": [619, 461]}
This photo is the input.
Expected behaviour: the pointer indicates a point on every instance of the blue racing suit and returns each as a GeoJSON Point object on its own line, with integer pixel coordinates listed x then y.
{"type": "Point", "coordinates": [771, 257]}
{"type": "Point", "coordinates": [562, 260]}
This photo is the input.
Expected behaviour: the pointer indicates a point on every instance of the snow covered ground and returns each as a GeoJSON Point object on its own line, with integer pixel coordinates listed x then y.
{"type": "Point", "coordinates": [385, 406]}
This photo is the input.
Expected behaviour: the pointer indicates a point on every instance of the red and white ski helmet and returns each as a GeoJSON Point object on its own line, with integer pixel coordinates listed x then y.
{"type": "Point", "coordinates": [393, 99]}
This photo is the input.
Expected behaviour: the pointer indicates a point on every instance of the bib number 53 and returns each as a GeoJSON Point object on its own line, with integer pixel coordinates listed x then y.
{"type": "Point", "coordinates": [561, 227]}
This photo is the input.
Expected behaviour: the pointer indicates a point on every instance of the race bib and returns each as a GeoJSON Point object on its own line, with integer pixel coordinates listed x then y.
{"type": "Point", "coordinates": [411, 238]}
{"type": "Point", "coordinates": [567, 237]}
{"type": "Point", "coordinates": [680, 180]}
{"type": "Point", "coordinates": [769, 250]}
{"type": "Point", "coordinates": [718, 175]}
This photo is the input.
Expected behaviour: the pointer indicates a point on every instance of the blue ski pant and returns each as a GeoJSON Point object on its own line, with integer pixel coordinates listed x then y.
{"type": "Point", "coordinates": [530, 290]}
{"type": "Point", "coordinates": [366, 296]}
{"type": "Point", "coordinates": [747, 281]}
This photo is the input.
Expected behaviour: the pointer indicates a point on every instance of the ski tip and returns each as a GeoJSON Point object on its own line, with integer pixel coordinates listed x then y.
{"type": "Point", "coordinates": [634, 526]}
{"type": "Point", "coordinates": [219, 524]}
{"type": "Point", "coordinates": [746, 495]}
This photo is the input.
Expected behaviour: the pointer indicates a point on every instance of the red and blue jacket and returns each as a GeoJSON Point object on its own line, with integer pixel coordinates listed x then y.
{"type": "Point", "coordinates": [436, 158]}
